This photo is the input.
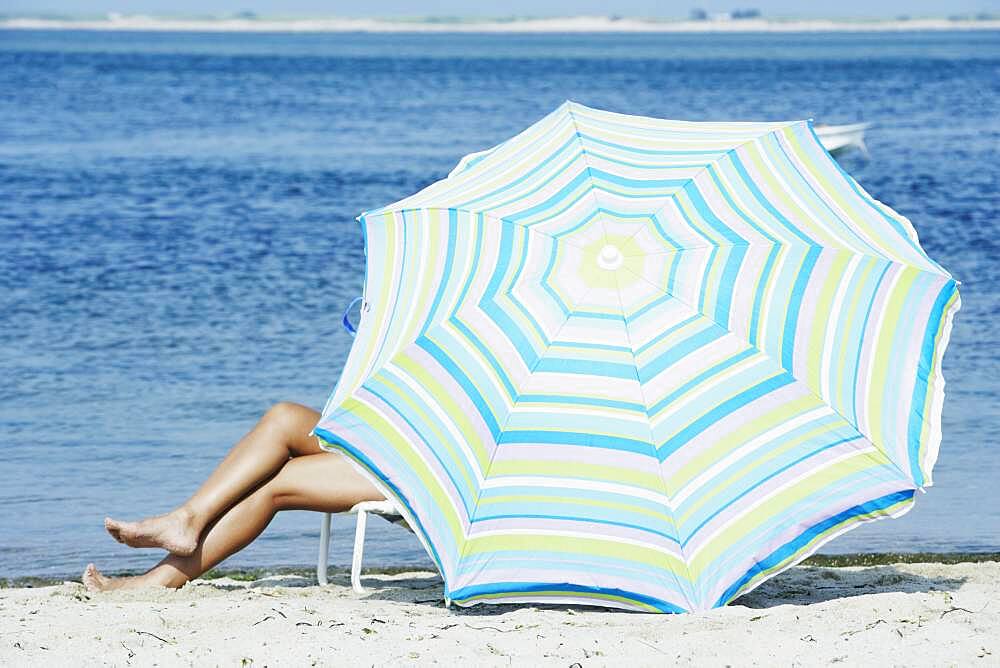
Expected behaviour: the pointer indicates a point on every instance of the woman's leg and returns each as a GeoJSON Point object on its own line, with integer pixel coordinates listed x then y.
{"type": "Point", "coordinates": [283, 432]}
{"type": "Point", "coordinates": [325, 482]}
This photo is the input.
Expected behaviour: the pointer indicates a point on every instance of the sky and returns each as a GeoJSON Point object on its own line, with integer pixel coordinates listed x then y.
{"type": "Point", "coordinates": [411, 8]}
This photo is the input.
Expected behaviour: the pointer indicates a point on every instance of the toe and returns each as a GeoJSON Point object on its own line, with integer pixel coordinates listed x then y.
{"type": "Point", "coordinates": [113, 528]}
{"type": "Point", "coordinates": [89, 575]}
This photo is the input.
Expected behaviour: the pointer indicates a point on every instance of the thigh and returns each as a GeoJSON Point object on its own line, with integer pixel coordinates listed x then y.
{"type": "Point", "coordinates": [326, 482]}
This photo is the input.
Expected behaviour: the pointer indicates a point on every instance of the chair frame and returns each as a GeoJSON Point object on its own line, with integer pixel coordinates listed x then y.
{"type": "Point", "coordinates": [384, 508]}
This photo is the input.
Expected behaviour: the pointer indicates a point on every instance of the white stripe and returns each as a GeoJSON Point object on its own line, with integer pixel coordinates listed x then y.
{"type": "Point", "coordinates": [500, 482]}
{"type": "Point", "coordinates": [831, 331]}
{"type": "Point", "coordinates": [864, 424]}
{"type": "Point", "coordinates": [475, 534]}
{"type": "Point", "coordinates": [705, 539]}
{"type": "Point", "coordinates": [435, 407]}
{"type": "Point", "coordinates": [697, 484]}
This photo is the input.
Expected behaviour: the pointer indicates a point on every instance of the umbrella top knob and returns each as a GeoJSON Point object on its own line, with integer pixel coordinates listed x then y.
{"type": "Point", "coordinates": [610, 258]}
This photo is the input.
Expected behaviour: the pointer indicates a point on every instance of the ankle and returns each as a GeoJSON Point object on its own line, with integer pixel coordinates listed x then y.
{"type": "Point", "coordinates": [187, 515]}
{"type": "Point", "coordinates": [164, 575]}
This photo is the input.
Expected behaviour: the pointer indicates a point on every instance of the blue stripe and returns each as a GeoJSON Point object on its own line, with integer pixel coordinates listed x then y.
{"type": "Point", "coordinates": [491, 495]}
{"type": "Point", "coordinates": [477, 224]}
{"type": "Point", "coordinates": [821, 201]}
{"type": "Point", "coordinates": [488, 354]}
{"type": "Point", "coordinates": [765, 202]}
{"type": "Point", "coordinates": [597, 315]}
{"type": "Point", "coordinates": [635, 315]}
{"type": "Point", "coordinates": [584, 367]}
{"type": "Point", "coordinates": [700, 378]}
{"type": "Point", "coordinates": [395, 406]}
{"type": "Point", "coordinates": [658, 185]}
{"type": "Point", "coordinates": [712, 154]}
{"type": "Point", "coordinates": [509, 292]}
{"type": "Point", "coordinates": [707, 216]}
{"type": "Point", "coordinates": [487, 303]}
{"type": "Point", "coordinates": [585, 520]}
{"type": "Point", "coordinates": [722, 410]}
{"type": "Point", "coordinates": [795, 306]}
{"type": "Point", "coordinates": [703, 293]}
{"type": "Point", "coordinates": [759, 295]}
{"type": "Point", "coordinates": [575, 184]}
{"type": "Point", "coordinates": [712, 171]}
{"type": "Point", "coordinates": [724, 298]}
{"type": "Point", "coordinates": [586, 219]}
{"type": "Point", "coordinates": [791, 547]}
{"type": "Point", "coordinates": [547, 284]}
{"type": "Point", "coordinates": [467, 385]}
{"type": "Point", "coordinates": [655, 220]}
{"type": "Point", "coordinates": [760, 482]}
{"type": "Point", "coordinates": [600, 402]}
{"type": "Point", "coordinates": [572, 142]}
{"type": "Point", "coordinates": [923, 376]}
{"type": "Point", "coordinates": [399, 290]}
{"type": "Point", "coordinates": [449, 262]}
{"type": "Point", "coordinates": [679, 350]}
{"type": "Point", "coordinates": [590, 440]}
{"type": "Point", "coordinates": [864, 328]}
{"type": "Point", "coordinates": [591, 346]}
{"type": "Point", "coordinates": [515, 588]}
{"type": "Point", "coordinates": [867, 199]}
{"type": "Point", "coordinates": [515, 334]}
{"type": "Point", "coordinates": [593, 177]}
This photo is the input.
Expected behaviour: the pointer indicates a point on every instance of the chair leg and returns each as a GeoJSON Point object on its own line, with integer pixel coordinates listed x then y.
{"type": "Point", "coordinates": [359, 548]}
{"type": "Point", "coordinates": [324, 549]}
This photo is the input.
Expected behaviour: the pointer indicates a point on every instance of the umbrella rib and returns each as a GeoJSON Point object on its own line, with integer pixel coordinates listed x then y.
{"type": "Point", "coordinates": [805, 385]}
{"type": "Point", "coordinates": [472, 212]}
{"type": "Point", "coordinates": [655, 458]}
{"type": "Point", "coordinates": [795, 245]}
{"type": "Point", "coordinates": [500, 432]}
{"type": "Point", "coordinates": [713, 162]}
{"type": "Point", "coordinates": [712, 165]}
{"type": "Point", "coordinates": [586, 161]}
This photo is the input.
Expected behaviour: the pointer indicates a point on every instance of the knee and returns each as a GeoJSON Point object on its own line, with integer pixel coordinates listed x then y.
{"type": "Point", "coordinates": [276, 496]}
{"type": "Point", "coordinates": [281, 415]}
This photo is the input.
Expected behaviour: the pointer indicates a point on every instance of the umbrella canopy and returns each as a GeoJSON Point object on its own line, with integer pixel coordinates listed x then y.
{"type": "Point", "coordinates": [642, 363]}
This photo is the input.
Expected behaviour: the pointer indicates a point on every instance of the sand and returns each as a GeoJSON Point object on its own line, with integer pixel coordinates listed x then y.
{"type": "Point", "coordinates": [905, 614]}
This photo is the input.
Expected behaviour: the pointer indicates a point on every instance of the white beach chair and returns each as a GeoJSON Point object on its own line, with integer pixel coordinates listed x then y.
{"type": "Point", "coordinates": [386, 509]}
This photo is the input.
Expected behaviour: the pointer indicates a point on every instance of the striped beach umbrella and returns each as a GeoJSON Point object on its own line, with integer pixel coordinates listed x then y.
{"type": "Point", "coordinates": [641, 363]}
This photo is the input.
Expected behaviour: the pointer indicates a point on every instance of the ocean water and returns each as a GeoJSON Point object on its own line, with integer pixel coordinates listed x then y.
{"type": "Point", "coordinates": [177, 237]}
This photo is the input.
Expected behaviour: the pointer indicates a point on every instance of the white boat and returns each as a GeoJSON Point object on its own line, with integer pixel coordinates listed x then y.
{"type": "Point", "coordinates": [840, 138]}
{"type": "Point", "coordinates": [836, 139]}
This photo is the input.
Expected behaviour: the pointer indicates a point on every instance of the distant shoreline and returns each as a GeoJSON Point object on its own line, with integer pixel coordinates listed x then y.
{"type": "Point", "coordinates": [575, 24]}
{"type": "Point", "coordinates": [251, 573]}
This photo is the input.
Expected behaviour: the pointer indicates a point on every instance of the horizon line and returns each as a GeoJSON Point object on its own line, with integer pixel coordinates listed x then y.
{"type": "Point", "coordinates": [580, 23]}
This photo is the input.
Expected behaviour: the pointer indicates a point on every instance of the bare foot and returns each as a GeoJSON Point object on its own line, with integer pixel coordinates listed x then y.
{"type": "Point", "coordinates": [174, 532]}
{"type": "Point", "coordinates": [94, 580]}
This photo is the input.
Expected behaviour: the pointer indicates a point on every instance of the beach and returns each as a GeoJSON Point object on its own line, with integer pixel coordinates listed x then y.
{"type": "Point", "coordinates": [899, 614]}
